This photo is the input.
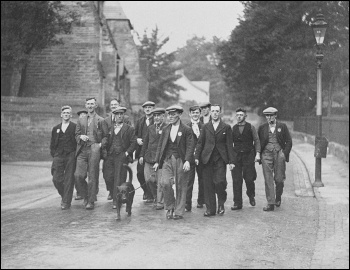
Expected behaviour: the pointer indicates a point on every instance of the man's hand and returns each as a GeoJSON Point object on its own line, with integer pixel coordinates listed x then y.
{"type": "Point", "coordinates": [139, 141]}
{"type": "Point", "coordinates": [196, 161]}
{"type": "Point", "coordinates": [141, 160]}
{"type": "Point", "coordinates": [186, 166]}
{"type": "Point", "coordinates": [84, 138]}
{"type": "Point", "coordinates": [231, 166]}
{"type": "Point", "coordinates": [257, 157]}
{"type": "Point", "coordinates": [155, 167]}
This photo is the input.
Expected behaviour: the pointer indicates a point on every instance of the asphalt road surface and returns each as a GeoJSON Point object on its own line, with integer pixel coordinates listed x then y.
{"type": "Point", "coordinates": [36, 233]}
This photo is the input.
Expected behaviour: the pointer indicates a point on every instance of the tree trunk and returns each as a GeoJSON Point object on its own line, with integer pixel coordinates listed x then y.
{"type": "Point", "coordinates": [21, 91]}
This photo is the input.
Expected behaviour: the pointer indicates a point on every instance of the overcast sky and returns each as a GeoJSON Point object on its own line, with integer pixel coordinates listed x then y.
{"type": "Point", "coordinates": [181, 20]}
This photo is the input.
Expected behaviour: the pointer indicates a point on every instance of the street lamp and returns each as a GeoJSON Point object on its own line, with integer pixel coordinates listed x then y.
{"type": "Point", "coordinates": [319, 27]}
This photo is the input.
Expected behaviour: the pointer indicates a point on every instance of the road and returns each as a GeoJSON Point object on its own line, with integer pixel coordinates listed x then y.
{"type": "Point", "coordinates": [35, 233]}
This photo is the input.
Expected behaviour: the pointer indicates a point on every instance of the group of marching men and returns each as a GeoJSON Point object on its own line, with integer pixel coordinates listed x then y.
{"type": "Point", "coordinates": [168, 154]}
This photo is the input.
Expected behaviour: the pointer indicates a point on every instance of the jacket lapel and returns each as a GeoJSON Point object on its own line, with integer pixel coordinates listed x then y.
{"type": "Point", "coordinates": [166, 136]}
{"type": "Point", "coordinates": [123, 130]}
{"type": "Point", "coordinates": [180, 131]}
{"type": "Point", "coordinates": [220, 127]}
{"type": "Point", "coordinates": [211, 127]}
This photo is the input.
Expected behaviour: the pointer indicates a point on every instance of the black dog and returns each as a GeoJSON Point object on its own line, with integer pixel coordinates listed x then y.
{"type": "Point", "coordinates": [125, 195]}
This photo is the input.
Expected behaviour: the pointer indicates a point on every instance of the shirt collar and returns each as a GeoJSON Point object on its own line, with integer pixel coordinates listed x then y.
{"type": "Point", "coordinates": [242, 124]}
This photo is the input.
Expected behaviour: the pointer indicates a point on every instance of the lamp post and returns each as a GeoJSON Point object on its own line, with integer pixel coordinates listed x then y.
{"type": "Point", "coordinates": [319, 27]}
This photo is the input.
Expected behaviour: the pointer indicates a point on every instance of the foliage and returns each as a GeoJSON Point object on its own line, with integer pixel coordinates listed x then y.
{"type": "Point", "coordinates": [269, 59]}
{"type": "Point", "coordinates": [161, 67]}
{"type": "Point", "coordinates": [31, 25]}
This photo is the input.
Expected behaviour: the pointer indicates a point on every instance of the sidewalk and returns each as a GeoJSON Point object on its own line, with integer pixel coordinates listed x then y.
{"type": "Point", "coordinates": [332, 244]}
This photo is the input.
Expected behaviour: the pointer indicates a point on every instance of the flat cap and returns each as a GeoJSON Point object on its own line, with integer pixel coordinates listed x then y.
{"type": "Point", "coordinates": [205, 104]}
{"type": "Point", "coordinates": [158, 110]}
{"type": "Point", "coordinates": [148, 103]}
{"type": "Point", "coordinates": [119, 110]}
{"type": "Point", "coordinates": [82, 111]}
{"type": "Point", "coordinates": [195, 107]}
{"type": "Point", "coordinates": [175, 108]}
{"type": "Point", "coordinates": [270, 110]}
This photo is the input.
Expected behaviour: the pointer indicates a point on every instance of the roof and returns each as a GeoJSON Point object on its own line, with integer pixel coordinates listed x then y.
{"type": "Point", "coordinates": [112, 10]}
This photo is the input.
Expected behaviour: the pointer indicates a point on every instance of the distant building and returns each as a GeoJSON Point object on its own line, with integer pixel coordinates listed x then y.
{"type": "Point", "coordinates": [195, 91]}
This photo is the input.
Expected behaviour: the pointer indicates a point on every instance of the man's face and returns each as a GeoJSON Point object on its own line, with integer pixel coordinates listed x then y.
{"type": "Point", "coordinates": [90, 105]}
{"type": "Point", "coordinates": [195, 114]}
{"type": "Point", "coordinates": [158, 118]}
{"type": "Point", "coordinates": [271, 118]}
{"type": "Point", "coordinates": [206, 110]}
{"type": "Point", "coordinates": [66, 114]}
{"type": "Point", "coordinates": [241, 116]}
{"type": "Point", "coordinates": [215, 112]}
{"type": "Point", "coordinates": [148, 109]}
{"type": "Point", "coordinates": [119, 117]}
{"type": "Point", "coordinates": [114, 105]}
{"type": "Point", "coordinates": [174, 117]}
{"type": "Point", "coordinates": [81, 115]}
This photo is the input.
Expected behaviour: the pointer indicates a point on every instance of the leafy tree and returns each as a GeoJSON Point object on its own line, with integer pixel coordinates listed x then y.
{"type": "Point", "coordinates": [269, 59]}
{"type": "Point", "coordinates": [162, 68]}
{"type": "Point", "coordinates": [31, 25]}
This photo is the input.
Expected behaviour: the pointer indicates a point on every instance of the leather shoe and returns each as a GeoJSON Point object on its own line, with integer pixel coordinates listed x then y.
{"type": "Point", "coordinates": [159, 207]}
{"type": "Point", "coordinates": [278, 202]}
{"type": "Point", "coordinates": [65, 207]}
{"type": "Point", "coordinates": [269, 207]}
{"type": "Point", "coordinates": [252, 201]}
{"type": "Point", "coordinates": [114, 206]}
{"type": "Point", "coordinates": [236, 207]}
{"type": "Point", "coordinates": [78, 198]}
{"type": "Point", "coordinates": [199, 205]}
{"type": "Point", "coordinates": [110, 197]}
{"type": "Point", "coordinates": [85, 202]}
{"type": "Point", "coordinates": [221, 210]}
{"type": "Point", "coordinates": [90, 206]}
{"type": "Point", "coordinates": [206, 214]}
{"type": "Point", "coordinates": [144, 196]}
{"type": "Point", "coordinates": [169, 214]}
{"type": "Point", "coordinates": [176, 217]}
{"type": "Point", "coordinates": [149, 200]}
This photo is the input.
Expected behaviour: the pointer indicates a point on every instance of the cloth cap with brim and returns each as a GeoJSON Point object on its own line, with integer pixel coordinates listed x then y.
{"type": "Point", "coordinates": [80, 112]}
{"type": "Point", "coordinates": [175, 108]}
{"type": "Point", "coordinates": [148, 103]}
{"type": "Point", "coordinates": [270, 110]}
{"type": "Point", "coordinates": [158, 111]}
{"type": "Point", "coordinates": [204, 104]}
{"type": "Point", "coordinates": [119, 110]}
{"type": "Point", "coordinates": [195, 107]}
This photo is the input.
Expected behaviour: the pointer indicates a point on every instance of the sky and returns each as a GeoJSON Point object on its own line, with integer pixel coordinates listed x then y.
{"type": "Point", "coordinates": [181, 20]}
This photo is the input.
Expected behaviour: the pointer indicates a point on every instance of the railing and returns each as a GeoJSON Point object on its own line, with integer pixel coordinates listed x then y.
{"type": "Point", "coordinates": [335, 130]}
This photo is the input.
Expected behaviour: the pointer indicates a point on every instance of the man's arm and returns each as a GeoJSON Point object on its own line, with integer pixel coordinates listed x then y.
{"type": "Point", "coordinates": [52, 143]}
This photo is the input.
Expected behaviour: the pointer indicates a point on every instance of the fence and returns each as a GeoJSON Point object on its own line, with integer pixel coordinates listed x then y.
{"type": "Point", "coordinates": [335, 130]}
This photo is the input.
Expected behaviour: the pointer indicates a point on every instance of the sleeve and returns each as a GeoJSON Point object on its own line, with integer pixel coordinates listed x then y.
{"type": "Point", "coordinates": [145, 143]}
{"type": "Point", "coordinates": [256, 140]}
{"type": "Point", "coordinates": [288, 142]}
{"type": "Point", "coordinates": [229, 145]}
{"type": "Point", "coordinates": [78, 132]}
{"type": "Point", "coordinates": [52, 142]}
{"type": "Point", "coordinates": [200, 143]}
{"type": "Point", "coordinates": [105, 132]}
{"type": "Point", "coordinates": [133, 142]}
{"type": "Point", "coordinates": [189, 145]}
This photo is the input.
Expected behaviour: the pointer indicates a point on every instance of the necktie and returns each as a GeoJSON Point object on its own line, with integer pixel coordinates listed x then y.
{"type": "Point", "coordinates": [147, 121]}
{"type": "Point", "coordinates": [195, 129]}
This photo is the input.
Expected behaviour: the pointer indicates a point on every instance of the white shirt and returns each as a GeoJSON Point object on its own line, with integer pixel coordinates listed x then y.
{"type": "Point", "coordinates": [173, 132]}
{"type": "Point", "coordinates": [272, 127]}
{"type": "Point", "coordinates": [195, 127]}
{"type": "Point", "coordinates": [147, 121]}
{"type": "Point", "coordinates": [117, 128]}
{"type": "Point", "coordinates": [64, 127]}
{"type": "Point", "coordinates": [215, 124]}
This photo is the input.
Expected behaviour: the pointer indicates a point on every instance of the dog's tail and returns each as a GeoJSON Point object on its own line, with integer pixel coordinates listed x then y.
{"type": "Point", "coordinates": [130, 172]}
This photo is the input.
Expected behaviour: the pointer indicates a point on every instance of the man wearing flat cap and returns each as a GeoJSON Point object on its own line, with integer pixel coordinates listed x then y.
{"type": "Point", "coordinates": [246, 151]}
{"type": "Point", "coordinates": [196, 125]}
{"type": "Point", "coordinates": [140, 130]}
{"type": "Point", "coordinates": [118, 145]}
{"type": "Point", "coordinates": [148, 157]}
{"type": "Point", "coordinates": [206, 117]}
{"type": "Point", "coordinates": [111, 120]}
{"type": "Point", "coordinates": [276, 144]}
{"type": "Point", "coordinates": [174, 154]}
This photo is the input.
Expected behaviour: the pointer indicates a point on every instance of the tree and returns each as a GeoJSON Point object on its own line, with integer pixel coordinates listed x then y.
{"type": "Point", "coordinates": [31, 25]}
{"type": "Point", "coordinates": [161, 68]}
{"type": "Point", "coordinates": [269, 59]}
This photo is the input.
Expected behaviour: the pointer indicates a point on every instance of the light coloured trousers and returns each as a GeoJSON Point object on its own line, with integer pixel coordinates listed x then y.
{"type": "Point", "coordinates": [153, 182]}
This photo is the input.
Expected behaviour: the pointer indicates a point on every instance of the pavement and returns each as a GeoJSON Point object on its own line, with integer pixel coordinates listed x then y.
{"type": "Point", "coordinates": [331, 249]}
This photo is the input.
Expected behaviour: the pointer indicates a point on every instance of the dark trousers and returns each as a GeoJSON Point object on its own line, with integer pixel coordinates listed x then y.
{"type": "Point", "coordinates": [142, 180]}
{"type": "Point", "coordinates": [191, 178]}
{"type": "Point", "coordinates": [114, 172]}
{"type": "Point", "coordinates": [243, 170]}
{"type": "Point", "coordinates": [88, 164]}
{"type": "Point", "coordinates": [214, 178]}
{"type": "Point", "coordinates": [62, 170]}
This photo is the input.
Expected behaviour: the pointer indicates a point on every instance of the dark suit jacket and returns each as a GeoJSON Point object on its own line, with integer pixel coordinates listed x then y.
{"type": "Point", "coordinates": [221, 138]}
{"type": "Point", "coordinates": [54, 136]}
{"type": "Point", "coordinates": [127, 134]}
{"type": "Point", "coordinates": [195, 139]}
{"type": "Point", "coordinates": [183, 140]}
{"type": "Point", "coordinates": [283, 137]}
{"type": "Point", "coordinates": [140, 131]}
{"type": "Point", "coordinates": [81, 129]}
{"type": "Point", "coordinates": [150, 143]}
